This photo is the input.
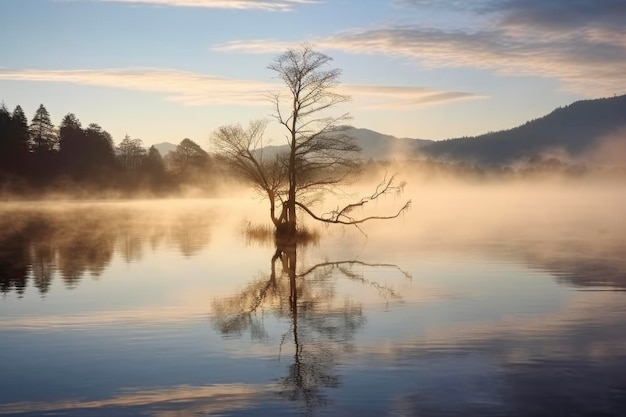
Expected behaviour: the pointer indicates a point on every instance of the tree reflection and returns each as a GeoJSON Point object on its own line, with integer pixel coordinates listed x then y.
{"type": "Point", "coordinates": [13, 265]}
{"type": "Point", "coordinates": [321, 326]}
{"type": "Point", "coordinates": [190, 231]}
{"type": "Point", "coordinates": [38, 245]}
{"type": "Point", "coordinates": [42, 258]}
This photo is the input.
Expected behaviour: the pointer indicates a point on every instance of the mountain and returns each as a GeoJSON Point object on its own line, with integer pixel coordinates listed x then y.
{"type": "Point", "coordinates": [379, 146]}
{"type": "Point", "coordinates": [576, 130]}
{"type": "Point", "coordinates": [374, 145]}
{"type": "Point", "coordinates": [165, 147]}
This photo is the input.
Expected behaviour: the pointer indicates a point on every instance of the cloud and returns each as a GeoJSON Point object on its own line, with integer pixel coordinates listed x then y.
{"type": "Point", "coordinates": [179, 86]}
{"type": "Point", "coordinates": [580, 63]}
{"type": "Point", "coordinates": [581, 43]}
{"type": "Point", "coordinates": [269, 46]}
{"type": "Point", "coordinates": [195, 89]}
{"type": "Point", "coordinates": [447, 4]}
{"type": "Point", "coordinates": [403, 97]}
{"type": "Point", "coordinates": [559, 14]}
{"type": "Point", "coordinates": [269, 5]}
{"type": "Point", "coordinates": [545, 14]}
{"type": "Point", "coordinates": [583, 64]}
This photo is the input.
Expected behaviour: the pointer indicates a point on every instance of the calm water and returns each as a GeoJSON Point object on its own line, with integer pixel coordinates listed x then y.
{"type": "Point", "coordinates": [170, 309]}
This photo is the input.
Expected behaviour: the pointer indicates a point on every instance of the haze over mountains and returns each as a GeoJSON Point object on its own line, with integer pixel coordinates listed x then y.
{"type": "Point", "coordinates": [583, 129]}
{"type": "Point", "coordinates": [589, 129]}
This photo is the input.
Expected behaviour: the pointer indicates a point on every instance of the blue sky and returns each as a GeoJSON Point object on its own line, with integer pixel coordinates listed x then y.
{"type": "Point", "coordinates": [163, 70]}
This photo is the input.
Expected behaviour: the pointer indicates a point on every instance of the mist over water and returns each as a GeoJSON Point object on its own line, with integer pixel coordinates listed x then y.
{"type": "Point", "coordinates": [485, 298]}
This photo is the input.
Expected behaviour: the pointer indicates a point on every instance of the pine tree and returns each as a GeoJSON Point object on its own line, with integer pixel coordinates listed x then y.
{"type": "Point", "coordinates": [14, 136]}
{"type": "Point", "coordinates": [42, 134]}
{"type": "Point", "coordinates": [154, 164]}
{"type": "Point", "coordinates": [19, 139]}
{"type": "Point", "coordinates": [72, 146]}
{"type": "Point", "coordinates": [5, 127]}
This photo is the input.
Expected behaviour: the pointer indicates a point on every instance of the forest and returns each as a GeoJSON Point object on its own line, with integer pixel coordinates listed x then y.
{"type": "Point", "coordinates": [38, 157]}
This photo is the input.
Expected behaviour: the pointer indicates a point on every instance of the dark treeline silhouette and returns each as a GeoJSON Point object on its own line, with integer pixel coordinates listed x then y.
{"type": "Point", "coordinates": [37, 246]}
{"type": "Point", "coordinates": [39, 157]}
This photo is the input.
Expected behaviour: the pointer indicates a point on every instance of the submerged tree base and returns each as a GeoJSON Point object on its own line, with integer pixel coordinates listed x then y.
{"type": "Point", "coordinates": [301, 237]}
{"type": "Point", "coordinates": [280, 237]}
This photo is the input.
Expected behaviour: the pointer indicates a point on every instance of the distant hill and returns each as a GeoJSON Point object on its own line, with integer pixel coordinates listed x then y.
{"type": "Point", "coordinates": [379, 146]}
{"type": "Point", "coordinates": [374, 145]}
{"type": "Point", "coordinates": [165, 147]}
{"type": "Point", "coordinates": [576, 130]}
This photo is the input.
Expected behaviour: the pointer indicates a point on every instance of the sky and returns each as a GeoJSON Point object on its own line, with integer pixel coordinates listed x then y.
{"type": "Point", "coordinates": [165, 70]}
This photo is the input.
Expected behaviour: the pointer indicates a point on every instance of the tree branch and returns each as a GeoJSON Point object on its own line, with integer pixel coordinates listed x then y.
{"type": "Point", "coordinates": [341, 216]}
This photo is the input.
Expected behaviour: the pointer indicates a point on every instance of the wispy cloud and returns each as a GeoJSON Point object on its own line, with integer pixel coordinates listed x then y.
{"type": "Point", "coordinates": [270, 5]}
{"type": "Point", "coordinates": [373, 96]}
{"type": "Point", "coordinates": [261, 46]}
{"type": "Point", "coordinates": [194, 89]}
{"type": "Point", "coordinates": [583, 65]}
{"type": "Point", "coordinates": [447, 4]}
{"type": "Point", "coordinates": [179, 86]}
{"type": "Point", "coordinates": [582, 43]}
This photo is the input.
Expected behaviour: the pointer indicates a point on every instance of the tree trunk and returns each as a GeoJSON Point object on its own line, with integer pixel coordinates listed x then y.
{"type": "Point", "coordinates": [286, 227]}
{"type": "Point", "coordinates": [291, 216]}
{"type": "Point", "coordinates": [272, 197]}
{"type": "Point", "coordinates": [290, 227]}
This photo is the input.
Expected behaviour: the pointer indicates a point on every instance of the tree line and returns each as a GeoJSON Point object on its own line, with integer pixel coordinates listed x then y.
{"type": "Point", "coordinates": [38, 156]}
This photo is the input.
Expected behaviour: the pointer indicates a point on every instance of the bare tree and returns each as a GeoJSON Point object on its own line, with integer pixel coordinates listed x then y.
{"type": "Point", "coordinates": [319, 154]}
{"type": "Point", "coordinates": [241, 151]}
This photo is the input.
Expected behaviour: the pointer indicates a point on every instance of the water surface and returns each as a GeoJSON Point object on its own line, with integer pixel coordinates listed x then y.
{"type": "Point", "coordinates": [169, 309]}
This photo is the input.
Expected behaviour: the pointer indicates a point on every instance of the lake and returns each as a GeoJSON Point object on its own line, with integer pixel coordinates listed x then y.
{"type": "Point", "coordinates": [499, 300]}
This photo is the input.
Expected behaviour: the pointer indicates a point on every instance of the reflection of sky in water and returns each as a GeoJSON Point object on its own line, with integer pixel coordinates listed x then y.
{"type": "Point", "coordinates": [481, 327]}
